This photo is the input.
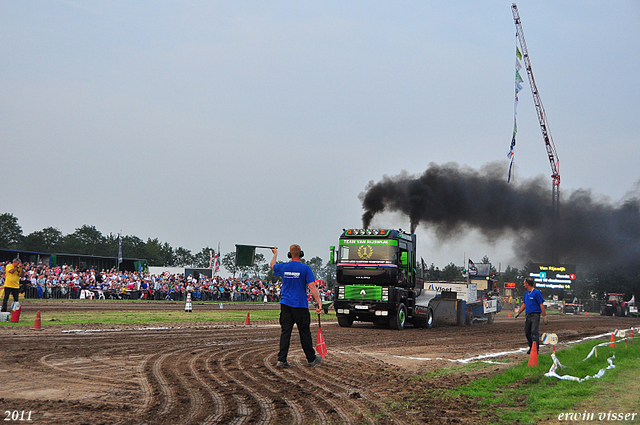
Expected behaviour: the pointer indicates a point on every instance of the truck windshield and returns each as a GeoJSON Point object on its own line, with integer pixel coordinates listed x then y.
{"type": "Point", "coordinates": [365, 253]}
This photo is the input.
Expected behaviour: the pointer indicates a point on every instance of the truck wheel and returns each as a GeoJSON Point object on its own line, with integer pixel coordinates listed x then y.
{"type": "Point", "coordinates": [618, 311]}
{"type": "Point", "coordinates": [398, 320]}
{"type": "Point", "coordinates": [491, 317]}
{"type": "Point", "coordinates": [469, 318]}
{"type": "Point", "coordinates": [430, 321]}
{"type": "Point", "coordinates": [603, 311]}
{"type": "Point", "coordinates": [345, 322]}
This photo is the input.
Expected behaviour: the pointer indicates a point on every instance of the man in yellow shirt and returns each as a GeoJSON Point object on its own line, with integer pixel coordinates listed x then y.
{"type": "Point", "coordinates": [13, 274]}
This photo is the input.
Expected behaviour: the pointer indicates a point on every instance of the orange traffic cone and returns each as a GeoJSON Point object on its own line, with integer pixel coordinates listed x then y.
{"type": "Point", "coordinates": [509, 314]}
{"type": "Point", "coordinates": [533, 356]}
{"type": "Point", "coordinates": [247, 322]}
{"type": "Point", "coordinates": [585, 313]}
{"type": "Point", "coordinates": [613, 341]}
{"type": "Point", "coordinates": [38, 325]}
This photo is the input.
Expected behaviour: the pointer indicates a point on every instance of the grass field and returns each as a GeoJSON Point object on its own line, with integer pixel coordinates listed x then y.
{"type": "Point", "coordinates": [522, 394]}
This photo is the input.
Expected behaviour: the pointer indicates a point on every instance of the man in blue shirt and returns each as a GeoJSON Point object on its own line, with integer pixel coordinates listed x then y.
{"type": "Point", "coordinates": [534, 305]}
{"type": "Point", "coordinates": [294, 305]}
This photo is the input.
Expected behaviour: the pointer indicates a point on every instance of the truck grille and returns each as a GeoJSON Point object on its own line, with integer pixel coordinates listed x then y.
{"type": "Point", "coordinates": [354, 292]}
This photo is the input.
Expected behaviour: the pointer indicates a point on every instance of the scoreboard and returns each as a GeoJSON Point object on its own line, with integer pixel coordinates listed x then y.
{"type": "Point", "coordinates": [559, 276]}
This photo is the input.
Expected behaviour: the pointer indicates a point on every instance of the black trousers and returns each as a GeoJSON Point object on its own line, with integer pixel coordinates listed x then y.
{"type": "Point", "coordinates": [300, 317]}
{"type": "Point", "coordinates": [7, 292]}
{"type": "Point", "coordinates": [531, 326]}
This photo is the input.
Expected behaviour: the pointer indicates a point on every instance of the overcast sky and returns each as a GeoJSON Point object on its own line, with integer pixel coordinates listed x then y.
{"type": "Point", "coordinates": [236, 122]}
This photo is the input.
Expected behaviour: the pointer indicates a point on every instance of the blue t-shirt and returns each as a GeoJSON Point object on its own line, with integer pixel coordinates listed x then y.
{"type": "Point", "coordinates": [532, 301]}
{"type": "Point", "coordinates": [295, 278]}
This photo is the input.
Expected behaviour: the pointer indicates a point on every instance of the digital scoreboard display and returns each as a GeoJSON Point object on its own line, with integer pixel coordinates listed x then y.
{"type": "Point", "coordinates": [559, 276]}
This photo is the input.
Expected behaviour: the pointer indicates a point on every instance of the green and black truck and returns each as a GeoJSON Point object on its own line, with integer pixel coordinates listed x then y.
{"type": "Point", "coordinates": [377, 282]}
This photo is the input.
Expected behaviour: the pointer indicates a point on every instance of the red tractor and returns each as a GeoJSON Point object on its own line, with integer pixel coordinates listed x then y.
{"type": "Point", "coordinates": [615, 305]}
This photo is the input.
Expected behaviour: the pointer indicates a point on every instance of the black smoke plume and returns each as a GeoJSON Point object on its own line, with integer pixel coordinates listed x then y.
{"type": "Point", "coordinates": [452, 200]}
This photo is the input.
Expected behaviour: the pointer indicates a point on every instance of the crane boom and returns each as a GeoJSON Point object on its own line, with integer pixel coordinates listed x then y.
{"type": "Point", "coordinates": [542, 117]}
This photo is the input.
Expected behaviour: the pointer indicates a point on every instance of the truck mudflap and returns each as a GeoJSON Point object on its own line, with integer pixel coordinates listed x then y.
{"type": "Point", "coordinates": [421, 311]}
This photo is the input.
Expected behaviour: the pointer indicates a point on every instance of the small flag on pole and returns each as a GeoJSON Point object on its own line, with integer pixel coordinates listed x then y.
{"type": "Point", "coordinates": [216, 260]}
{"type": "Point", "coordinates": [119, 250]}
{"type": "Point", "coordinates": [246, 254]}
{"type": "Point", "coordinates": [424, 265]}
{"type": "Point", "coordinates": [473, 270]}
{"type": "Point", "coordinates": [321, 347]}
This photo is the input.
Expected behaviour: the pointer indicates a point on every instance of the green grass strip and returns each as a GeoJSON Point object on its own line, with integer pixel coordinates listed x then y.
{"type": "Point", "coordinates": [522, 394]}
{"type": "Point", "coordinates": [152, 317]}
{"type": "Point", "coordinates": [130, 317]}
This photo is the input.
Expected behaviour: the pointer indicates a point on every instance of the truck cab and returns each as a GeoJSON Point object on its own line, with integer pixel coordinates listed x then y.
{"type": "Point", "coordinates": [376, 277]}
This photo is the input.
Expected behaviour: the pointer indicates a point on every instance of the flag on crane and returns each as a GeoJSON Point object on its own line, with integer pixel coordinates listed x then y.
{"type": "Point", "coordinates": [518, 88]}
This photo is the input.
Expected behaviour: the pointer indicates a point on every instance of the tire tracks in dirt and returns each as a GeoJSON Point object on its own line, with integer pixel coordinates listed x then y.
{"type": "Point", "coordinates": [298, 416]}
{"type": "Point", "coordinates": [216, 398]}
{"type": "Point", "coordinates": [266, 411]}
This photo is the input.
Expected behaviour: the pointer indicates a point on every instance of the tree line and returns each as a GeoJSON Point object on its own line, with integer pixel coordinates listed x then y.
{"type": "Point", "coordinates": [87, 240]}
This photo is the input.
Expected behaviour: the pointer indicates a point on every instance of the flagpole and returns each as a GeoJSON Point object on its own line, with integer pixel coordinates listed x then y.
{"type": "Point", "coordinates": [119, 249]}
{"type": "Point", "coordinates": [216, 266]}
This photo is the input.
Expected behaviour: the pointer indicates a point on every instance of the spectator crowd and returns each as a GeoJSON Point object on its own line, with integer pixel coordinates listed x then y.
{"type": "Point", "coordinates": [43, 281]}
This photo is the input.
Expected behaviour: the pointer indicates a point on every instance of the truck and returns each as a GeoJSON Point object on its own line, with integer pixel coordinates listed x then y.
{"type": "Point", "coordinates": [377, 282]}
{"type": "Point", "coordinates": [570, 303]}
{"type": "Point", "coordinates": [614, 304]}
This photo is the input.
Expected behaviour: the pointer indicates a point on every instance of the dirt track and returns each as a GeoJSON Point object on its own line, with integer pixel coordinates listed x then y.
{"type": "Point", "coordinates": [206, 374]}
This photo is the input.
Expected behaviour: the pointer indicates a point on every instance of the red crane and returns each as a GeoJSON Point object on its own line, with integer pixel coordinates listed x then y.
{"type": "Point", "coordinates": [544, 126]}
